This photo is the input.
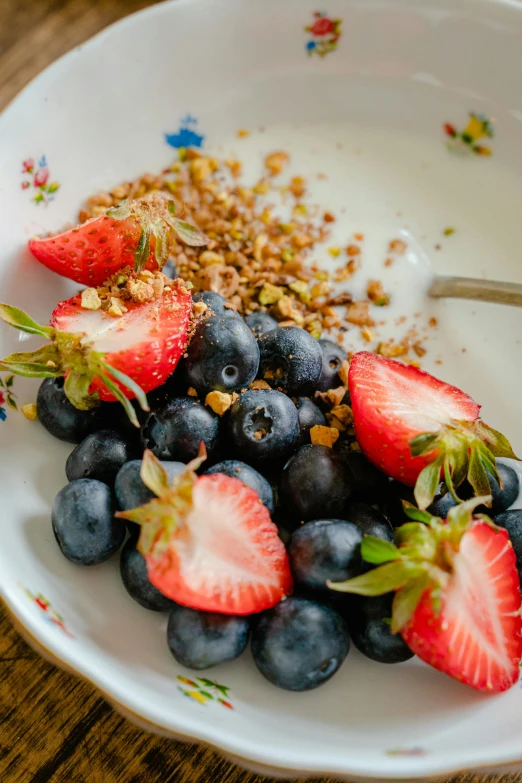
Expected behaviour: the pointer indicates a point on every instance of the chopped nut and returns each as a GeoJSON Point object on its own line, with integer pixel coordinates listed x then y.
{"type": "Point", "coordinates": [191, 392]}
{"type": "Point", "coordinates": [257, 385]}
{"type": "Point", "coordinates": [116, 307]}
{"type": "Point", "coordinates": [358, 313]}
{"type": "Point", "coordinates": [270, 294]}
{"type": "Point", "coordinates": [334, 251]}
{"type": "Point", "coordinates": [223, 280]}
{"type": "Point", "coordinates": [208, 257]}
{"type": "Point", "coordinates": [343, 372]}
{"type": "Point", "coordinates": [358, 237]}
{"type": "Point", "coordinates": [220, 402]}
{"type": "Point", "coordinates": [392, 350]}
{"type": "Point", "coordinates": [90, 299]}
{"type": "Point", "coordinates": [353, 250]}
{"type": "Point", "coordinates": [260, 434]}
{"type": "Point", "coordinates": [388, 262]}
{"type": "Point", "coordinates": [323, 436]}
{"type": "Point", "coordinates": [328, 217]}
{"type": "Point", "coordinates": [297, 187]}
{"type": "Point", "coordinates": [276, 162]}
{"type": "Point", "coordinates": [448, 231]}
{"type": "Point", "coordinates": [419, 350]}
{"type": "Point", "coordinates": [433, 322]}
{"type": "Point", "coordinates": [158, 285]}
{"type": "Point", "coordinates": [376, 294]}
{"type": "Point", "coordinates": [242, 134]}
{"type": "Point", "coordinates": [199, 307]}
{"type": "Point", "coordinates": [235, 167]}
{"type": "Point", "coordinates": [332, 397]}
{"type": "Point", "coordinates": [366, 334]}
{"type": "Point", "coordinates": [397, 246]}
{"type": "Point", "coordinates": [343, 413]}
{"type": "Point", "coordinates": [140, 292]}
{"type": "Point", "coordinates": [29, 411]}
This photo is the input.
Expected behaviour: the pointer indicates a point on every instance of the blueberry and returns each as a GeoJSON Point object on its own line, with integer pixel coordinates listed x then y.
{"type": "Point", "coordinates": [512, 522]}
{"type": "Point", "coordinates": [309, 416]}
{"type": "Point", "coordinates": [99, 456]}
{"type": "Point", "coordinates": [199, 640]}
{"type": "Point", "coordinates": [133, 570]}
{"type": "Point", "coordinates": [315, 484]}
{"type": "Point", "coordinates": [175, 430]}
{"type": "Point", "coordinates": [369, 483]}
{"type": "Point", "coordinates": [332, 358]}
{"type": "Point", "coordinates": [170, 269]}
{"type": "Point", "coordinates": [291, 359]}
{"type": "Point", "coordinates": [130, 490]}
{"type": "Point", "coordinates": [299, 644]}
{"type": "Point", "coordinates": [260, 323]}
{"type": "Point", "coordinates": [370, 521]}
{"type": "Point", "coordinates": [441, 505]}
{"type": "Point", "coordinates": [263, 428]}
{"type": "Point", "coordinates": [84, 524]}
{"type": "Point", "coordinates": [60, 417]}
{"type": "Point", "coordinates": [372, 635]}
{"type": "Point", "coordinates": [392, 503]}
{"type": "Point", "coordinates": [325, 549]}
{"type": "Point", "coordinates": [249, 476]}
{"type": "Point", "coordinates": [216, 303]}
{"type": "Point", "coordinates": [222, 355]}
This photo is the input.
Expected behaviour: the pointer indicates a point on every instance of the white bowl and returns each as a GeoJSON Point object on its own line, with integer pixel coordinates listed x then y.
{"type": "Point", "coordinates": [369, 115]}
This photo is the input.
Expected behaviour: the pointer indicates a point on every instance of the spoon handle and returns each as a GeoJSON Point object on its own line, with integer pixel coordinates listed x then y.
{"type": "Point", "coordinates": [481, 290]}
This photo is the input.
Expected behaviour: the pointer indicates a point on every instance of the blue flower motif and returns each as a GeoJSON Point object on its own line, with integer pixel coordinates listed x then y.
{"type": "Point", "coordinates": [42, 162]}
{"type": "Point", "coordinates": [3, 415]}
{"type": "Point", "coordinates": [310, 46]}
{"type": "Point", "coordinates": [184, 138]}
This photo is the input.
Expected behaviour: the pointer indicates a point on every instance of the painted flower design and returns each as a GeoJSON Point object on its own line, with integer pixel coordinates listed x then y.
{"type": "Point", "coordinates": [466, 141]}
{"type": "Point", "coordinates": [186, 135]}
{"type": "Point", "coordinates": [36, 175]}
{"type": "Point", "coordinates": [7, 396]}
{"type": "Point", "coordinates": [50, 614]}
{"type": "Point", "coordinates": [202, 690]}
{"type": "Point", "coordinates": [325, 33]}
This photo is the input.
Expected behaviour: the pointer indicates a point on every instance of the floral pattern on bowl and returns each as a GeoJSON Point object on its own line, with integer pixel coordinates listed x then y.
{"type": "Point", "coordinates": [35, 178]}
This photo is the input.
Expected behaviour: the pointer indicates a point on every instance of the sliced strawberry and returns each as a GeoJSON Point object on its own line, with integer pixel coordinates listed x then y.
{"type": "Point", "coordinates": [145, 343]}
{"type": "Point", "coordinates": [458, 603]}
{"type": "Point", "coordinates": [209, 542]}
{"type": "Point", "coordinates": [406, 420]}
{"type": "Point", "coordinates": [477, 635]}
{"type": "Point", "coordinates": [104, 357]}
{"type": "Point", "coordinates": [137, 233]}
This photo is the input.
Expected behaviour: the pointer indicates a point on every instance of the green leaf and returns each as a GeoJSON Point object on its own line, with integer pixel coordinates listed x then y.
{"type": "Point", "coordinates": [171, 206]}
{"type": "Point", "coordinates": [384, 579]}
{"type": "Point", "coordinates": [207, 683]}
{"type": "Point", "coordinates": [223, 689]}
{"type": "Point", "coordinates": [189, 234]}
{"type": "Point", "coordinates": [448, 478]}
{"type": "Point", "coordinates": [117, 392]}
{"type": "Point", "coordinates": [30, 369]}
{"type": "Point", "coordinates": [406, 601]}
{"type": "Point", "coordinates": [412, 512]}
{"type": "Point", "coordinates": [120, 212]}
{"type": "Point", "coordinates": [427, 483]}
{"type": "Point", "coordinates": [477, 474]}
{"type": "Point", "coordinates": [76, 388]}
{"type": "Point", "coordinates": [153, 474]}
{"type": "Point", "coordinates": [377, 551]}
{"type": "Point", "coordinates": [207, 694]}
{"type": "Point", "coordinates": [497, 443]}
{"type": "Point", "coordinates": [459, 517]}
{"type": "Point", "coordinates": [129, 383]}
{"type": "Point", "coordinates": [20, 320]}
{"type": "Point", "coordinates": [9, 381]}
{"type": "Point", "coordinates": [422, 443]}
{"type": "Point", "coordinates": [142, 250]}
{"type": "Point", "coordinates": [11, 402]}
{"type": "Point", "coordinates": [416, 541]}
{"type": "Point", "coordinates": [53, 187]}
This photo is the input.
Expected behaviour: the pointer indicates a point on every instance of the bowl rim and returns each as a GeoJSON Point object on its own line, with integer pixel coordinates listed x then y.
{"type": "Point", "coordinates": [403, 768]}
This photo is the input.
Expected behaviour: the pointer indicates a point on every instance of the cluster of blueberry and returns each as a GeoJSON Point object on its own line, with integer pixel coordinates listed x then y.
{"type": "Point", "coordinates": [323, 500]}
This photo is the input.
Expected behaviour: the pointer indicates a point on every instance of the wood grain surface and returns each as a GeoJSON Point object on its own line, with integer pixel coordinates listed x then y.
{"type": "Point", "coordinates": [54, 727]}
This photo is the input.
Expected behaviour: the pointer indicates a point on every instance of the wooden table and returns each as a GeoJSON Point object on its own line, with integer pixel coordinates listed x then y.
{"type": "Point", "coordinates": [53, 727]}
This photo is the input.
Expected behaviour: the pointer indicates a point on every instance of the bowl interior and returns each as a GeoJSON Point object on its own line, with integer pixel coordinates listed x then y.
{"type": "Point", "coordinates": [362, 117]}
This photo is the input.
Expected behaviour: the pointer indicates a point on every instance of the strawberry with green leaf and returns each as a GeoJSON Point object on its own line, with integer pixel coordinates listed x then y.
{"type": "Point", "coordinates": [102, 357]}
{"type": "Point", "coordinates": [457, 597]}
{"type": "Point", "coordinates": [137, 233]}
{"type": "Point", "coordinates": [209, 542]}
{"type": "Point", "coordinates": [417, 428]}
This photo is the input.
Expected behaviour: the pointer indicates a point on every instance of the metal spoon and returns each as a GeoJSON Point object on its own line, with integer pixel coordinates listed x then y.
{"type": "Point", "coordinates": [481, 290]}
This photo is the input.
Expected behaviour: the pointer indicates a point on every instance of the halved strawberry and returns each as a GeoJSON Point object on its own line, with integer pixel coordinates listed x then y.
{"type": "Point", "coordinates": [103, 357]}
{"type": "Point", "coordinates": [458, 604]}
{"type": "Point", "coordinates": [137, 233]}
{"type": "Point", "coordinates": [209, 542]}
{"type": "Point", "coordinates": [415, 428]}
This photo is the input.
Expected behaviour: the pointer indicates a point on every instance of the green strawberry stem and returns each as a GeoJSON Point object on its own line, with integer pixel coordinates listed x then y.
{"type": "Point", "coordinates": [421, 559]}
{"type": "Point", "coordinates": [66, 356]}
{"type": "Point", "coordinates": [162, 516]}
{"type": "Point", "coordinates": [460, 451]}
{"type": "Point", "coordinates": [156, 215]}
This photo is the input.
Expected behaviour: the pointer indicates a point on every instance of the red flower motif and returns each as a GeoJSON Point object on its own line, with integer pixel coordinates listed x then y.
{"type": "Point", "coordinates": [322, 26]}
{"type": "Point", "coordinates": [41, 177]}
{"type": "Point", "coordinates": [25, 185]}
{"type": "Point", "coordinates": [28, 165]}
{"type": "Point", "coordinates": [449, 130]}
{"type": "Point", "coordinates": [2, 398]}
